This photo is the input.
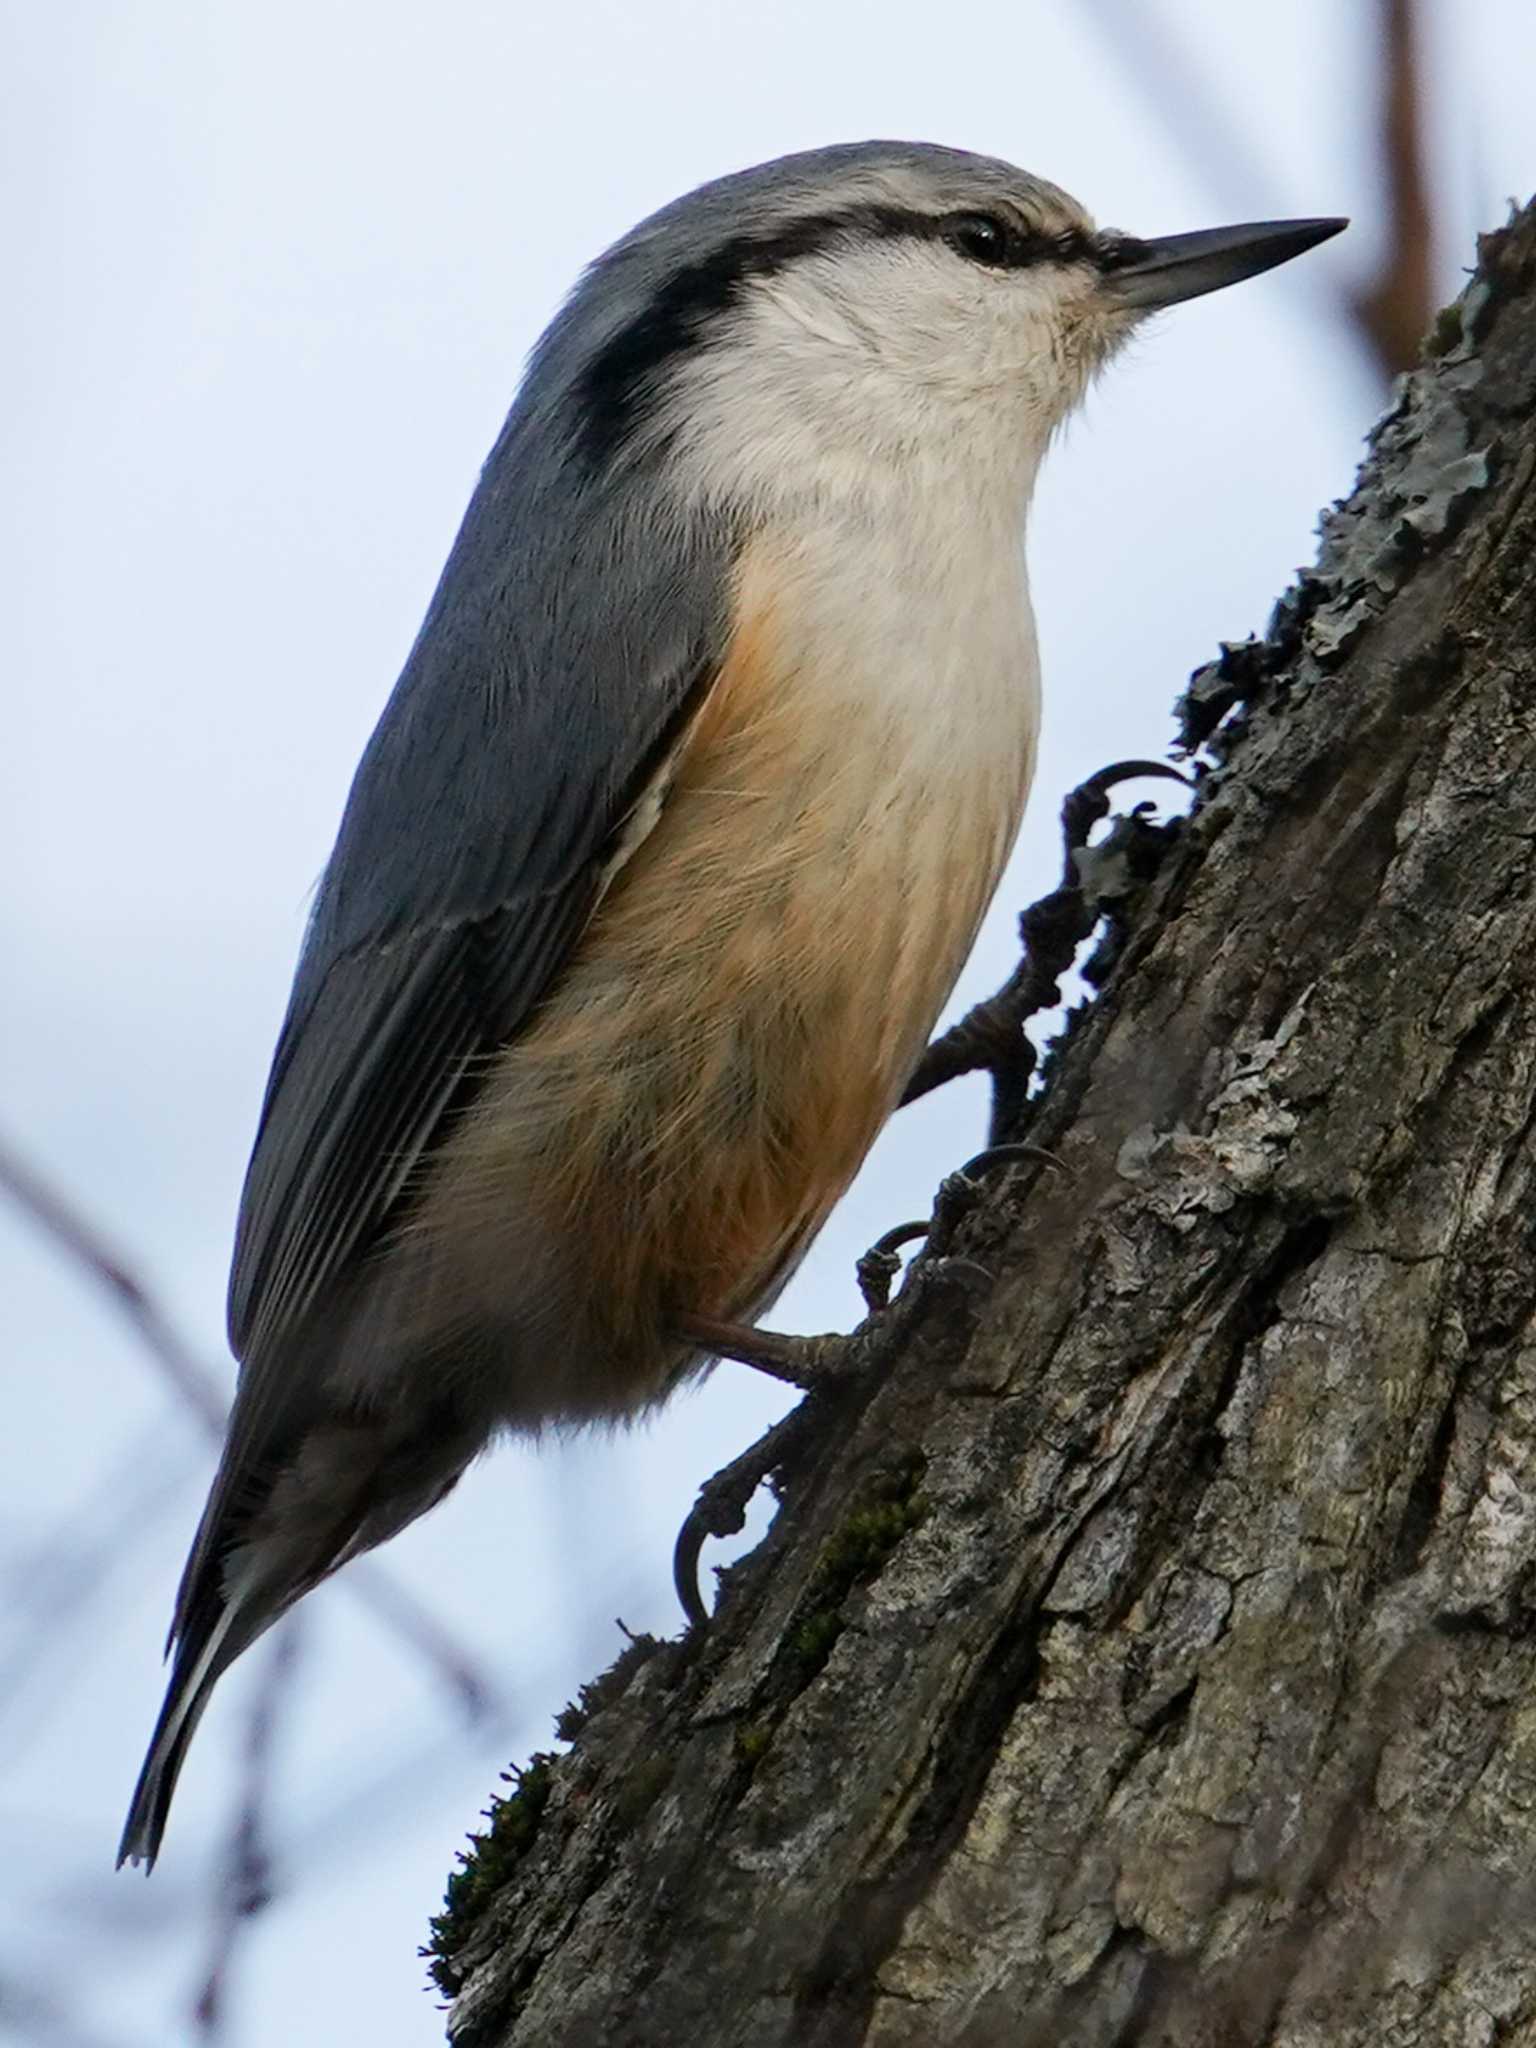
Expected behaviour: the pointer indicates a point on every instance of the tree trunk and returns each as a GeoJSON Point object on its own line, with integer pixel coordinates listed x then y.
{"type": "Point", "coordinates": [1147, 1653]}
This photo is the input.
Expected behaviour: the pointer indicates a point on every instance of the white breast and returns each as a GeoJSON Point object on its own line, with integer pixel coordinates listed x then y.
{"type": "Point", "coordinates": [895, 510]}
{"type": "Point", "coordinates": [913, 624]}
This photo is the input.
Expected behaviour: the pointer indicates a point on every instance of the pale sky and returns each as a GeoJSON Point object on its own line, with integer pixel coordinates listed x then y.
{"type": "Point", "coordinates": [273, 269]}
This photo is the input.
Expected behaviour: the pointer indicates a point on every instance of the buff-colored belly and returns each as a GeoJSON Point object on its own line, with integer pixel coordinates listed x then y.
{"type": "Point", "coordinates": [739, 1019]}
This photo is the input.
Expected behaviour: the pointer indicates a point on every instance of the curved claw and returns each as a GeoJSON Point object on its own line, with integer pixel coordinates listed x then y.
{"type": "Point", "coordinates": [892, 1240]}
{"type": "Point", "coordinates": [685, 1572]}
{"type": "Point", "coordinates": [878, 1267]}
{"type": "Point", "coordinates": [699, 1524]}
{"type": "Point", "coordinates": [959, 1190]}
{"type": "Point", "coordinates": [1129, 771]}
{"type": "Point", "coordinates": [970, 1274]}
{"type": "Point", "coordinates": [722, 1503]}
{"type": "Point", "coordinates": [996, 1156]}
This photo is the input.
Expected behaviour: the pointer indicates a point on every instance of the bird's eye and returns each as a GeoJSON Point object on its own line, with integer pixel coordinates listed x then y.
{"type": "Point", "coordinates": [980, 236]}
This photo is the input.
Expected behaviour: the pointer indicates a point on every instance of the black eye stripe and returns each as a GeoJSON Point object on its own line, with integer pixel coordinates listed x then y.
{"type": "Point", "coordinates": [617, 386]}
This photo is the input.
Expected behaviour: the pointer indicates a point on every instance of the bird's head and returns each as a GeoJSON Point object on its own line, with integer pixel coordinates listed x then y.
{"type": "Point", "coordinates": [868, 303]}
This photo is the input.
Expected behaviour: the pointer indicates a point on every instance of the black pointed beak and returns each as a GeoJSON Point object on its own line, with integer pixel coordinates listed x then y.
{"type": "Point", "coordinates": [1141, 276]}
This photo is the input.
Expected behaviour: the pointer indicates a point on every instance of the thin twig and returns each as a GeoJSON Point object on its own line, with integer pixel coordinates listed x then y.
{"type": "Point", "coordinates": [62, 1221]}
{"type": "Point", "coordinates": [415, 1623]}
{"type": "Point", "coordinates": [1207, 125]}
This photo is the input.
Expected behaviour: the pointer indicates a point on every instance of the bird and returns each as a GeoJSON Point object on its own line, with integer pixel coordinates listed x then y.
{"type": "Point", "coordinates": [669, 845]}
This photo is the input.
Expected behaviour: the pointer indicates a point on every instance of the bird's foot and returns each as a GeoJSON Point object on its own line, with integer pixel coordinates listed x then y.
{"type": "Point", "coordinates": [991, 1036]}
{"type": "Point", "coordinates": [820, 1366]}
{"type": "Point", "coordinates": [878, 1267]}
{"type": "Point", "coordinates": [721, 1508]}
{"type": "Point", "coordinates": [957, 1194]}
{"type": "Point", "coordinates": [958, 1191]}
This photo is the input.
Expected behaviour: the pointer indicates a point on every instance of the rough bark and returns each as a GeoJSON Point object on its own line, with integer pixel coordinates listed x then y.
{"type": "Point", "coordinates": [1148, 1655]}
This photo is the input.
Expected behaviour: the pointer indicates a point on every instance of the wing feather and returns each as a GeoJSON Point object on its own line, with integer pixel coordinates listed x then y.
{"type": "Point", "coordinates": [550, 683]}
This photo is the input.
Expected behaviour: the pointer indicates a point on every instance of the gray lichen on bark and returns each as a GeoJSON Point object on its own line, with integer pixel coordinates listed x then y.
{"type": "Point", "coordinates": [1192, 1698]}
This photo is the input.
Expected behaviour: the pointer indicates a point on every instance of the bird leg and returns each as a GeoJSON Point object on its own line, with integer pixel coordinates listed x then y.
{"type": "Point", "coordinates": [804, 1362]}
{"type": "Point", "coordinates": [811, 1363]}
{"type": "Point", "coordinates": [990, 1035]}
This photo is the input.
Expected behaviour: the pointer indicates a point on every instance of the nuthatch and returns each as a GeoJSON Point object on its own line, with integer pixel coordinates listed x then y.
{"type": "Point", "coordinates": [669, 846]}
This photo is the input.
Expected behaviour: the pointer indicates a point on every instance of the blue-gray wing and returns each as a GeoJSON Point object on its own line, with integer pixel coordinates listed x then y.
{"type": "Point", "coordinates": [574, 629]}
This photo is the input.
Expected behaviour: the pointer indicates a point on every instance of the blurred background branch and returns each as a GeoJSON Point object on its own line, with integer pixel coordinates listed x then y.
{"type": "Point", "coordinates": [417, 1626]}
{"type": "Point", "coordinates": [1395, 310]}
{"type": "Point", "coordinates": [1390, 316]}
{"type": "Point", "coordinates": [246, 1888]}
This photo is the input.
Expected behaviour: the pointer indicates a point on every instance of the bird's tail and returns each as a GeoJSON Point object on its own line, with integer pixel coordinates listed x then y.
{"type": "Point", "coordinates": [232, 1590]}
{"type": "Point", "coordinates": [277, 1523]}
{"type": "Point", "coordinates": [198, 1666]}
